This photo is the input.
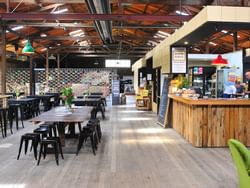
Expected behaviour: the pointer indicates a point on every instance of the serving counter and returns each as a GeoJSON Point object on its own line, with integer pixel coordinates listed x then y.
{"type": "Point", "coordinates": [211, 122]}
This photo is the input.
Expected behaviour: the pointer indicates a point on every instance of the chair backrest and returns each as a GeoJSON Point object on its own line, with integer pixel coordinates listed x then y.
{"type": "Point", "coordinates": [241, 158]}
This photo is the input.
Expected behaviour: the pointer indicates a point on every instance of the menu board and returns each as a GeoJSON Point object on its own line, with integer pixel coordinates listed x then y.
{"type": "Point", "coordinates": [163, 102]}
{"type": "Point", "coordinates": [178, 60]}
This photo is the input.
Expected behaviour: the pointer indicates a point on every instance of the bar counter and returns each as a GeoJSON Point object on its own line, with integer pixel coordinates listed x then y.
{"type": "Point", "coordinates": [211, 122]}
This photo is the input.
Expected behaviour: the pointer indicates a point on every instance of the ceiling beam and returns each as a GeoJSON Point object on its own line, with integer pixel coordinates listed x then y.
{"type": "Point", "coordinates": [62, 25]}
{"type": "Point", "coordinates": [109, 55]}
{"type": "Point", "coordinates": [168, 2]}
{"type": "Point", "coordinates": [81, 17]}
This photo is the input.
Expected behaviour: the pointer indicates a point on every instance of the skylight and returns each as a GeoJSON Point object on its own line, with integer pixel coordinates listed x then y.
{"type": "Point", "coordinates": [60, 11]}
{"type": "Point", "coordinates": [181, 13]}
{"type": "Point", "coordinates": [212, 43]}
{"type": "Point", "coordinates": [16, 28]}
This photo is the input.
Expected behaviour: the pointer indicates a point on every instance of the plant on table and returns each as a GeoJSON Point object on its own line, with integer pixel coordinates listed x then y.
{"type": "Point", "coordinates": [67, 95]}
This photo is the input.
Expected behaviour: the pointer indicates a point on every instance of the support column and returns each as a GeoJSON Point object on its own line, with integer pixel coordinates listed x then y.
{"type": "Point", "coordinates": [47, 68]}
{"type": "Point", "coordinates": [32, 77]}
{"type": "Point", "coordinates": [235, 41]}
{"type": "Point", "coordinates": [207, 48]}
{"type": "Point", "coordinates": [3, 61]}
{"type": "Point", "coordinates": [58, 71]}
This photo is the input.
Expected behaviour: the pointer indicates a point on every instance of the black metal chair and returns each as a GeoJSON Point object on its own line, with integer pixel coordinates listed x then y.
{"type": "Point", "coordinates": [13, 114]}
{"type": "Point", "coordinates": [87, 132]}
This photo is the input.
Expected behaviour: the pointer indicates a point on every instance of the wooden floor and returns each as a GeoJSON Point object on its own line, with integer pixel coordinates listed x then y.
{"type": "Point", "coordinates": [135, 152]}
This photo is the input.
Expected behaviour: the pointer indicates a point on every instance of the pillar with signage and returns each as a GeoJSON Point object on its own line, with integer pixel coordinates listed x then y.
{"type": "Point", "coordinates": [115, 92]}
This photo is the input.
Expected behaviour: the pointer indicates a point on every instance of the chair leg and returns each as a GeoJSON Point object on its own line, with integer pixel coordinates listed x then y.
{"type": "Point", "coordinates": [35, 144]}
{"type": "Point", "coordinates": [20, 148]}
{"type": "Point", "coordinates": [21, 112]}
{"type": "Point", "coordinates": [92, 144]}
{"type": "Point", "coordinates": [40, 154]}
{"type": "Point", "coordinates": [16, 116]}
{"type": "Point", "coordinates": [26, 146]}
{"type": "Point", "coordinates": [79, 146]}
{"type": "Point", "coordinates": [45, 150]}
{"type": "Point", "coordinates": [55, 145]}
{"type": "Point", "coordinates": [54, 130]}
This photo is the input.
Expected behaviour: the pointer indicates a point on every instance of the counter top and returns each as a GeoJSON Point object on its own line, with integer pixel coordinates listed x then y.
{"type": "Point", "coordinates": [212, 101]}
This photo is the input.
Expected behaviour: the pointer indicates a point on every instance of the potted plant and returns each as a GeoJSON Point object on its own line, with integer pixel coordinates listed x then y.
{"type": "Point", "coordinates": [67, 95]}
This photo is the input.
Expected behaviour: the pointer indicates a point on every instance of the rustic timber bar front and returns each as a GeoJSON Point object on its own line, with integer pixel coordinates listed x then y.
{"type": "Point", "coordinates": [211, 122]}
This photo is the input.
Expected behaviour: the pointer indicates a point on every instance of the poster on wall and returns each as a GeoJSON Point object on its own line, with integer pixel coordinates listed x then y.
{"type": "Point", "coordinates": [178, 60]}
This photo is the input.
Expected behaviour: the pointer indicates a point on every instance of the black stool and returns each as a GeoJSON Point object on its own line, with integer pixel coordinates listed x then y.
{"type": "Point", "coordinates": [50, 127]}
{"type": "Point", "coordinates": [43, 131]}
{"type": "Point", "coordinates": [87, 132]}
{"type": "Point", "coordinates": [56, 144]}
{"type": "Point", "coordinates": [13, 113]}
{"type": "Point", "coordinates": [34, 137]}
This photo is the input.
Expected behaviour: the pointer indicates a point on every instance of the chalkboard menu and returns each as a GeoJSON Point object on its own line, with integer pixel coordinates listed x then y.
{"type": "Point", "coordinates": [163, 102]}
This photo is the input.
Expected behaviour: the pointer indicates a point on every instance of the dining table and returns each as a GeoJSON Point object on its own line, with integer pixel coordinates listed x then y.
{"type": "Point", "coordinates": [64, 116]}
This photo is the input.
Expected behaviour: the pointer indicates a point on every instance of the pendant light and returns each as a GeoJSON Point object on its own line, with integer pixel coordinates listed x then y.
{"type": "Point", "coordinates": [28, 49]}
{"type": "Point", "coordinates": [219, 61]}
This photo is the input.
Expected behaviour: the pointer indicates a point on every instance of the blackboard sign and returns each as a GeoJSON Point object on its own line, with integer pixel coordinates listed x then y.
{"type": "Point", "coordinates": [163, 102]}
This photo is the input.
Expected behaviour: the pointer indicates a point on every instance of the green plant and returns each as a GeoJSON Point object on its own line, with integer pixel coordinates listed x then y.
{"type": "Point", "coordinates": [67, 95]}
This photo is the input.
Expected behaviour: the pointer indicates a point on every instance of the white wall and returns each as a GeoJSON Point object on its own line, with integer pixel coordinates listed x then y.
{"type": "Point", "coordinates": [235, 59]}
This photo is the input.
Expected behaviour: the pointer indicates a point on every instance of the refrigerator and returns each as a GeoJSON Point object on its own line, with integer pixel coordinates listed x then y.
{"type": "Point", "coordinates": [224, 77]}
{"type": "Point", "coordinates": [200, 79]}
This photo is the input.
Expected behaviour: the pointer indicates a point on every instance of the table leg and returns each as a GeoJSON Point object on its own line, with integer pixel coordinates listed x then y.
{"type": "Point", "coordinates": [61, 132]}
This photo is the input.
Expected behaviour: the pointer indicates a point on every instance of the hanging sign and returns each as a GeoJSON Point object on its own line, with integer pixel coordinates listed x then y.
{"type": "Point", "coordinates": [178, 60]}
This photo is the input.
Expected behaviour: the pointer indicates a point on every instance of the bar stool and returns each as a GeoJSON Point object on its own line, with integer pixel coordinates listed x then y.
{"type": "Point", "coordinates": [96, 123]}
{"type": "Point", "coordinates": [35, 139]}
{"type": "Point", "coordinates": [55, 143]}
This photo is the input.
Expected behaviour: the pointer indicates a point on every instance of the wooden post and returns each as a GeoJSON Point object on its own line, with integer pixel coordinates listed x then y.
{"type": "Point", "coordinates": [235, 41]}
{"type": "Point", "coordinates": [7, 6]}
{"type": "Point", "coordinates": [3, 63]}
{"type": "Point", "coordinates": [47, 68]}
{"type": "Point", "coordinates": [32, 77]}
{"type": "Point", "coordinates": [58, 71]}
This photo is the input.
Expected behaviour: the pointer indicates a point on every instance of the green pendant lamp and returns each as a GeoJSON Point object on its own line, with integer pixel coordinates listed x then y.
{"type": "Point", "coordinates": [28, 49]}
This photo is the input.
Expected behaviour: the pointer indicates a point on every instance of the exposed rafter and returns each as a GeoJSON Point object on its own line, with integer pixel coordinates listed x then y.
{"type": "Point", "coordinates": [81, 17]}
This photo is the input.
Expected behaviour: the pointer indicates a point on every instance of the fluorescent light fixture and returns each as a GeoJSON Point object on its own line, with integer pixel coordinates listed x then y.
{"type": "Point", "coordinates": [58, 44]}
{"type": "Point", "coordinates": [224, 31]}
{"type": "Point", "coordinates": [16, 28]}
{"type": "Point", "coordinates": [121, 63]}
{"type": "Point", "coordinates": [78, 34]}
{"type": "Point", "coordinates": [197, 49]}
{"type": "Point", "coordinates": [43, 35]}
{"type": "Point", "coordinates": [181, 13]}
{"type": "Point", "coordinates": [75, 32]}
{"type": "Point", "coordinates": [212, 43]}
{"type": "Point", "coordinates": [84, 43]}
{"type": "Point", "coordinates": [7, 31]}
{"type": "Point", "coordinates": [238, 36]}
{"type": "Point", "coordinates": [186, 42]}
{"type": "Point", "coordinates": [43, 49]}
{"type": "Point", "coordinates": [60, 11]}
{"type": "Point", "coordinates": [163, 33]}
{"type": "Point", "coordinates": [24, 41]}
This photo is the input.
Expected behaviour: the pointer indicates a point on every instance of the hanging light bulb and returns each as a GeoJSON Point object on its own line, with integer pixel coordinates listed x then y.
{"type": "Point", "coordinates": [28, 49]}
